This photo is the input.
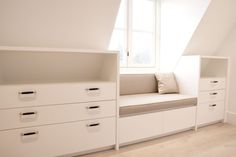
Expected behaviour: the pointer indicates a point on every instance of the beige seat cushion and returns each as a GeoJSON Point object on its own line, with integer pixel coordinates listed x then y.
{"type": "Point", "coordinates": [153, 102]}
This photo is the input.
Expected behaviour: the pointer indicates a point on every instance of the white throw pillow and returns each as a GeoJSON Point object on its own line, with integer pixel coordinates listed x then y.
{"type": "Point", "coordinates": [167, 83]}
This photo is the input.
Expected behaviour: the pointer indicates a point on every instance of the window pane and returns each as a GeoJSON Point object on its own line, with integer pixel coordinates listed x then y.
{"type": "Point", "coordinates": [143, 53]}
{"type": "Point", "coordinates": [118, 43]}
{"type": "Point", "coordinates": [121, 17]}
{"type": "Point", "coordinates": [143, 15]}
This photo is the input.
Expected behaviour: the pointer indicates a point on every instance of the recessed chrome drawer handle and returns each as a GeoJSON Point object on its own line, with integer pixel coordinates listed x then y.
{"type": "Point", "coordinates": [214, 81]}
{"type": "Point", "coordinates": [92, 107]}
{"type": "Point", "coordinates": [29, 133]}
{"type": "Point", "coordinates": [93, 89]}
{"type": "Point", "coordinates": [213, 93]}
{"type": "Point", "coordinates": [93, 125]}
{"type": "Point", "coordinates": [27, 93]}
{"type": "Point", "coordinates": [28, 113]}
{"type": "Point", "coordinates": [212, 105]}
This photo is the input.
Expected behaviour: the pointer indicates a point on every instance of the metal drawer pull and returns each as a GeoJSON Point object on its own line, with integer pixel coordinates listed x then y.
{"type": "Point", "coordinates": [213, 93]}
{"type": "Point", "coordinates": [93, 125]}
{"type": "Point", "coordinates": [27, 92]}
{"type": "Point", "coordinates": [214, 81]}
{"type": "Point", "coordinates": [213, 105]}
{"type": "Point", "coordinates": [27, 113]}
{"type": "Point", "coordinates": [93, 107]}
{"type": "Point", "coordinates": [30, 133]}
{"type": "Point", "coordinates": [93, 89]}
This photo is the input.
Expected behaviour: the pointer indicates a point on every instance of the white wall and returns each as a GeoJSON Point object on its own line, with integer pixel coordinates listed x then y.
{"type": "Point", "coordinates": [179, 19]}
{"type": "Point", "coordinates": [85, 24]}
{"type": "Point", "coordinates": [214, 28]}
{"type": "Point", "coordinates": [228, 48]}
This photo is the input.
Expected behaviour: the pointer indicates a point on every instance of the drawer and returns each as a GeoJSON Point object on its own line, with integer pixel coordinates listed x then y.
{"type": "Point", "coordinates": [179, 119]}
{"type": "Point", "coordinates": [210, 112]}
{"type": "Point", "coordinates": [209, 96]}
{"type": "Point", "coordinates": [34, 116]}
{"type": "Point", "coordinates": [56, 140]}
{"type": "Point", "coordinates": [212, 83]}
{"type": "Point", "coordinates": [135, 128]}
{"type": "Point", "coordinates": [49, 94]}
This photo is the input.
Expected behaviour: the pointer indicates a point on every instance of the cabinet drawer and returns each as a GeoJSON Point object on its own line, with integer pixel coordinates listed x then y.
{"type": "Point", "coordinates": [212, 83]}
{"type": "Point", "coordinates": [210, 112]}
{"type": "Point", "coordinates": [135, 128]}
{"type": "Point", "coordinates": [48, 94]}
{"type": "Point", "coordinates": [33, 116]}
{"type": "Point", "coordinates": [209, 96]}
{"type": "Point", "coordinates": [60, 139]}
{"type": "Point", "coordinates": [179, 119]}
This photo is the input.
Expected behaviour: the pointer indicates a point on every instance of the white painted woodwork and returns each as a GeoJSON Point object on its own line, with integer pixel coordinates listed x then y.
{"type": "Point", "coordinates": [207, 78]}
{"type": "Point", "coordinates": [34, 116]}
{"type": "Point", "coordinates": [58, 93]}
{"type": "Point", "coordinates": [139, 127]}
{"type": "Point", "coordinates": [210, 112]}
{"type": "Point", "coordinates": [57, 102]}
{"type": "Point", "coordinates": [213, 95]}
{"type": "Point", "coordinates": [212, 84]}
{"type": "Point", "coordinates": [179, 119]}
{"type": "Point", "coordinates": [59, 139]}
{"type": "Point", "coordinates": [21, 65]}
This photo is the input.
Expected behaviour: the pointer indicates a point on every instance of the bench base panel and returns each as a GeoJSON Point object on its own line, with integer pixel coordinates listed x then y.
{"type": "Point", "coordinates": [140, 127]}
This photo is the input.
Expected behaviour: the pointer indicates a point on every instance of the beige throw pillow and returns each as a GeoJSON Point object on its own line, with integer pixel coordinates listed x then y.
{"type": "Point", "coordinates": [167, 83]}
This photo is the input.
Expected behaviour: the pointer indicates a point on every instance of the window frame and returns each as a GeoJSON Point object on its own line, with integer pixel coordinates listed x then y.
{"type": "Point", "coordinates": [128, 67]}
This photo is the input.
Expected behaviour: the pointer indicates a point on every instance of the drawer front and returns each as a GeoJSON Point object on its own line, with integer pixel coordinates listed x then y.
{"type": "Point", "coordinates": [49, 94]}
{"type": "Point", "coordinates": [56, 140]}
{"type": "Point", "coordinates": [212, 83]}
{"type": "Point", "coordinates": [179, 119]}
{"type": "Point", "coordinates": [34, 116]}
{"type": "Point", "coordinates": [209, 96]}
{"type": "Point", "coordinates": [139, 127]}
{"type": "Point", "coordinates": [210, 112]}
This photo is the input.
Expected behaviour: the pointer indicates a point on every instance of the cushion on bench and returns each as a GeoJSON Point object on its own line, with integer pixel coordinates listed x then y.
{"type": "Point", "coordinates": [153, 102]}
{"type": "Point", "coordinates": [137, 84]}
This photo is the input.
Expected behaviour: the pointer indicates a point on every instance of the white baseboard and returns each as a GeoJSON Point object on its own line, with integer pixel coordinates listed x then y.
{"type": "Point", "coordinates": [231, 118]}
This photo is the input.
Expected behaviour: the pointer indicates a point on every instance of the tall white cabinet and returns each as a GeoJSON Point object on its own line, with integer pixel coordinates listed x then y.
{"type": "Point", "coordinates": [205, 77]}
{"type": "Point", "coordinates": [212, 98]}
{"type": "Point", "coordinates": [57, 102]}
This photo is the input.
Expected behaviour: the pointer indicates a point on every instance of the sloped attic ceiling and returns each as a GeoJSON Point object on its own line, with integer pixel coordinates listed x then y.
{"type": "Point", "coordinates": [217, 23]}
{"type": "Point", "coordinates": [85, 24]}
{"type": "Point", "coordinates": [179, 20]}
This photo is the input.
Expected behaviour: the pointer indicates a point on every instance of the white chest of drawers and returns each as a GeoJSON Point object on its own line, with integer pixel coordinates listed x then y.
{"type": "Point", "coordinates": [206, 77]}
{"type": "Point", "coordinates": [211, 100]}
{"type": "Point", "coordinates": [57, 102]}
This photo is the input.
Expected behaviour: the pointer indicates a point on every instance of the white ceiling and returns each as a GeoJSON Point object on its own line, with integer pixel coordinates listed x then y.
{"type": "Point", "coordinates": [217, 23]}
{"type": "Point", "coordinates": [57, 23]}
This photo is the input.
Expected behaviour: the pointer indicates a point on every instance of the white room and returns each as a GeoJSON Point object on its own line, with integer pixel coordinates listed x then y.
{"type": "Point", "coordinates": [117, 78]}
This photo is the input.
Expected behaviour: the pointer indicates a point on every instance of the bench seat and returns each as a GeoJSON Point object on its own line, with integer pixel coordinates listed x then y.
{"type": "Point", "coordinates": [153, 102]}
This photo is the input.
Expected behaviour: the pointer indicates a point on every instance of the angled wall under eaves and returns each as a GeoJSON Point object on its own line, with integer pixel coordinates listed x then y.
{"type": "Point", "coordinates": [179, 19]}
{"type": "Point", "coordinates": [216, 25]}
{"type": "Point", "coordinates": [84, 24]}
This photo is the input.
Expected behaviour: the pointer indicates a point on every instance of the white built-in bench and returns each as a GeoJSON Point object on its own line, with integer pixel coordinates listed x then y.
{"type": "Point", "coordinates": [145, 114]}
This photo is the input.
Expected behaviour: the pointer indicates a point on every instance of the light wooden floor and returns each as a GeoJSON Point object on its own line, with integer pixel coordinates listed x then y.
{"type": "Point", "coordinates": [217, 140]}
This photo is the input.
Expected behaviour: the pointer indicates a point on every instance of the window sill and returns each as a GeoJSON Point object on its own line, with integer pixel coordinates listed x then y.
{"type": "Point", "coordinates": [138, 70]}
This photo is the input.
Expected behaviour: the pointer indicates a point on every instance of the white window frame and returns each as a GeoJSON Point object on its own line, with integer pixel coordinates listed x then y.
{"type": "Point", "coordinates": [128, 69]}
